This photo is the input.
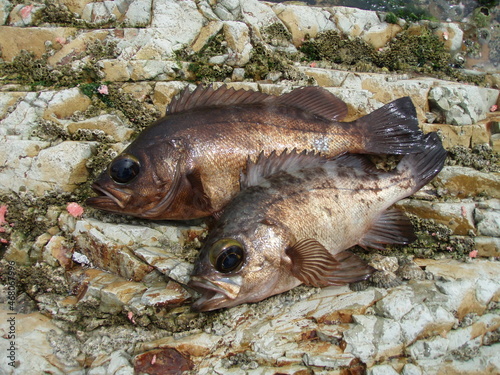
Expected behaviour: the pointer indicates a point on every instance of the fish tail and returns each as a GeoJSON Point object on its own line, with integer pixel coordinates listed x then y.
{"type": "Point", "coordinates": [391, 129]}
{"type": "Point", "coordinates": [424, 165]}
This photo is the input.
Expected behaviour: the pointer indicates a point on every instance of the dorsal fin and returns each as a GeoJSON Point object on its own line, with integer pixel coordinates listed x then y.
{"type": "Point", "coordinates": [315, 100]}
{"type": "Point", "coordinates": [209, 97]}
{"type": "Point", "coordinates": [265, 166]}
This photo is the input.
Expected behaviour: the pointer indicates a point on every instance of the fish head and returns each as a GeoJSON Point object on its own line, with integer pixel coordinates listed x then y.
{"type": "Point", "coordinates": [145, 180]}
{"type": "Point", "coordinates": [232, 270]}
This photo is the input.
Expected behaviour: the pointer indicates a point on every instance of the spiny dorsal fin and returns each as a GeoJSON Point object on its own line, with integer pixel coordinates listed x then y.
{"type": "Point", "coordinates": [210, 97]}
{"type": "Point", "coordinates": [316, 100]}
{"type": "Point", "coordinates": [274, 163]}
{"type": "Point", "coordinates": [314, 265]}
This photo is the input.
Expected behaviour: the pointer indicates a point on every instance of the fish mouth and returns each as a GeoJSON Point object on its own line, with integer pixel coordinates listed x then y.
{"type": "Point", "coordinates": [108, 199]}
{"type": "Point", "coordinates": [213, 296]}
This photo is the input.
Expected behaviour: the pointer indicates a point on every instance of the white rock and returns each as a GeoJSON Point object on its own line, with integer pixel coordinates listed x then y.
{"type": "Point", "coordinates": [411, 369]}
{"type": "Point", "coordinates": [144, 70]}
{"type": "Point", "coordinates": [373, 337]}
{"type": "Point", "coordinates": [60, 168]}
{"type": "Point", "coordinates": [461, 104]}
{"type": "Point", "coordinates": [451, 34]}
{"type": "Point", "coordinates": [180, 21]}
{"type": "Point", "coordinates": [396, 304]}
{"type": "Point", "coordinates": [138, 13]}
{"type": "Point", "coordinates": [228, 10]}
{"type": "Point", "coordinates": [257, 14]}
{"type": "Point", "coordinates": [101, 12]}
{"type": "Point", "coordinates": [488, 222]}
{"type": "Point", "coordinates": [23, 15]}
{"type": "Point", "coordinates": [120, 364]}
{"type": "Point", "coordinates": [432, 348]}
{"type": "Point", "coordinates": [382, 370]}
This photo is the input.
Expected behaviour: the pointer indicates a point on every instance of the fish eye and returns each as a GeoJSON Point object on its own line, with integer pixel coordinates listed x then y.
{"type": "Point", "coordinates": [124, 168]}
{"type": "Point", "coordinates": [227, 255]}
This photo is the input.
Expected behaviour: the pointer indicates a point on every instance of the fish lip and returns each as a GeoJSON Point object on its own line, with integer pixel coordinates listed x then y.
{"type": "Point", "coordinates": [107, 196]}
{"type": "Point", "coordinates": [211, 295]}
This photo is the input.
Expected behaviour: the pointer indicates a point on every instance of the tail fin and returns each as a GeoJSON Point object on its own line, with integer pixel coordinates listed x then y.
{"type": "Point", "coordinates": [391, 129]}
{"type": "Point", "coordinates": [426, 164]}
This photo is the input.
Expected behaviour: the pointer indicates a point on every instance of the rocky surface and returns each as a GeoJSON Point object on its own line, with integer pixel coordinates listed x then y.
{"type": "Point", "coordinates": [93, 293]}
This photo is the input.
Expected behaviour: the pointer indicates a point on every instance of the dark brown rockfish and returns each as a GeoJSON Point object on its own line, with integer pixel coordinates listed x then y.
{"type": "Point", "coordinates": [296, 215]}
{"type": "Point", "coordinates": [187, 164]}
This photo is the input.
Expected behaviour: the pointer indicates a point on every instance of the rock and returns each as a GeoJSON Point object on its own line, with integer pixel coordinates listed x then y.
{"type": "Point", "coordinates": [33, 39]}
{"type": "Point", "coordinates": [462, 105]}
{"type": "Point", "coordinates": [456, 216]}
{"type": "Point", "coordinates": [37, 357]}
{"type": "Point", "coordinates": [138, 13]}
{"type": "Point", "coordinates": [164, 92]}
{"type": "Point", "coordinates": [63, 104]}
{"type": "Point", "coordinates": [180, 21]}
{"type": "Point", "coordinates": [382, 370]}
{"type": "Point", "coordinates": [373, 337]}
{"type": "Point", "coordinates": [101, 13]}
{"type": "Point", "coordinates": [160, 296]}
{"type": "Point", "coordinates": [5, 7]}
{"type": "Point", "coordinates": [111, 125]}
{"type": "Point", "coordinates": [302, 21]}
{"type": "Point", "coordinates": [162, 361]}
{"type": "Point", "coordinates": [238, 41]}
{"type": "Point", "coordinates": [228, 10]}
{"type": "Point", "coordinates": [487, 246]}
{"type": "Point", "coordinates": [115, 295]}
{"type": "Point", "coordinates": [206, 33]}
{"type": "Point", "coordinates": [17, 156]}
{"type": "Point", "coordinates": [76, 46]}
{"type": "Point", "coordinates": [258, 15]}
{"type": "Point", "coordinates": [364, 24]}
{"type": "Point", "coordinates": [59, 168]}
{"type": "Point", "coordinates": [115, 70]}
{"type": "Point", "coordinates": [23, 15]}
{"type": "Point", "coordinates": [463, 182]}
{"type": "Point", "coordinates": [488, 222]}
{"type": "Point", "coordinates": [411, 369]}
{"type": "Point", "coordinates": [143, 70]}
{"type": "Point", "coordinates": [451, 34]}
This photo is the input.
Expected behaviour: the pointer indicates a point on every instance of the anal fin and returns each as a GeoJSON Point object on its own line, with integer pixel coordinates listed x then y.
{"type": "Point", "coordinates": [314, 265]}
{"type": "Point", "coordinates": [392, 227]}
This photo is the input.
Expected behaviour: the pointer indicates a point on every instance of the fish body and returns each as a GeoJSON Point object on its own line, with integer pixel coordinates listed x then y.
{"type": "Point", "coordinates": [295, 217]}
{"type": "Point", "coordinates": [187, 164]}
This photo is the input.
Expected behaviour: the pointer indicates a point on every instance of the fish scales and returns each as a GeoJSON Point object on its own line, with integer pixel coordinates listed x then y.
{"type": "Point", "coordinates": [187, 164]}
{"type": "Point", "coordinates": [295, 217]}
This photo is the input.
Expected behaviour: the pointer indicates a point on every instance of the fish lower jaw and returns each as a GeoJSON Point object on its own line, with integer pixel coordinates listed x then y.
{"type": "Point", "coordinates": [212, 297]}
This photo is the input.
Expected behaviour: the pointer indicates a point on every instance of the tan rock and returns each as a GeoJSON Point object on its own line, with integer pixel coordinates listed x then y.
{"type": "Point", "coordinates": [118, 293]}
{"type": "Point", "coordinates": [164, 92]}
{"type": "Point", "coordinates": [487, 246]}
{"type": "Point", "coordinates": [58, 249]}
{"type": "Point", "coordinates": [451, 135]}
{"type": "Point", "coordinates": [76, 46]}
{"type": "Point", "coordinates": [76, 6]}
{"type": "Point", "coordinates": [65, 103]}
{"type": "Point", "coordinates": [464, 182]}
{"type": "Point", "coordinates": [115, 70]}
{"type": "Point", "coordinates": [15, 39]}
{"type": "Point", "coordinates": [208, 31]}
{"type": "Point", "coordinates": [111, 125]}
{"type": "Point", "coordinates": [456, 216]}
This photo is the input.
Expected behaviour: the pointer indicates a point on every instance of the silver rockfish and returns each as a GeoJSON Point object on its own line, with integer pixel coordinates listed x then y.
{"type": "Point", "coordinates": [295, 217]}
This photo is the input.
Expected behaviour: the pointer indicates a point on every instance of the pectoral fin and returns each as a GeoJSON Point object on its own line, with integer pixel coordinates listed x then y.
{"type": "Point", "coordinates": [200, 200]}
{"type": "Point", "coordinates": [314, 265]}
{"type": "Point", "coordinates": [391, 227]}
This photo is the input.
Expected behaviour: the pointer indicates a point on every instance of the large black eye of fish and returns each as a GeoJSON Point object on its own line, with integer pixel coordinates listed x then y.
{"type": "Point", "coordinates": [124, 169]}
{"type": "Point", "coordinates": [227, 255]}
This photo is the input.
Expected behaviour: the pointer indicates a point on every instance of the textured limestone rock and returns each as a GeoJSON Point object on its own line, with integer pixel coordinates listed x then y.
{"type": "Point", "coordinates": [238, 42]}
{"type": "Point", "coordinates": [5, 7]}
{"type": "Point", "coordinates": [111, 125]}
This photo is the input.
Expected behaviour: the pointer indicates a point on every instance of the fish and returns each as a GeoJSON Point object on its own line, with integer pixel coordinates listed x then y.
{"type": "Point", "coordinates": [187, 164]}
{"type": "Point", "coordinates": [296, 217]}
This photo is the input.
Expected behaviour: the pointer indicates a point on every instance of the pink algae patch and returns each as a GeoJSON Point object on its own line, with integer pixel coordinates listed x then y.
{"type": "Point", "coordinates": [74, 209]}
{"type": "Point", "coordinates": [26, 11]}
{"type": "Point", "coordinates": [3, 211]}
{"type": "Point", "coordinates": [473, 253]}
